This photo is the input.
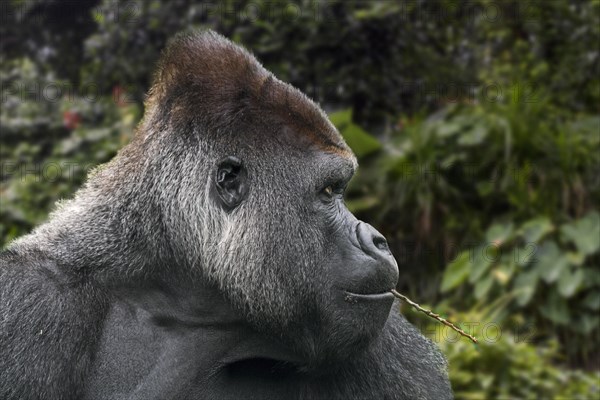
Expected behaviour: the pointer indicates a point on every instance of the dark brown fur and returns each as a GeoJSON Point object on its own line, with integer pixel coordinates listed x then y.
{"type": "Point", "coordinates": [222, 82]}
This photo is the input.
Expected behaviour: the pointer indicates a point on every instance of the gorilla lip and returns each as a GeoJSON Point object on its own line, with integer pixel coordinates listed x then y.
{"type": "Point", "coordinates": [368, 296]}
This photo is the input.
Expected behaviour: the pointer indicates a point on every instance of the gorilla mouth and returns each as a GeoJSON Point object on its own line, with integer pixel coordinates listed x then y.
{"type": "Point", "coordinates": [352, 297]}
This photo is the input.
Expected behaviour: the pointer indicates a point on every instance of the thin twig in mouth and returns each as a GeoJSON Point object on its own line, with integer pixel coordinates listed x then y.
{"type": "Point", "coordinates": [433, 315]}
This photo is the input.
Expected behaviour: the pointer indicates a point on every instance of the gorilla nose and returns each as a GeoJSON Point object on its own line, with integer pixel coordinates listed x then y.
{"type": "Point", "coordinates": [372, 242]}
{"type": "Point", "coordinates": [384, 275]}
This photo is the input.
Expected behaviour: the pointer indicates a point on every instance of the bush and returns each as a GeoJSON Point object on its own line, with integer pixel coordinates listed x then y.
{"type": "Point", "coordinates": [505, 364]}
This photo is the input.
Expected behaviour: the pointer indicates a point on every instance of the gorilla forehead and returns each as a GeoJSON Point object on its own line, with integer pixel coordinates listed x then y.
{"type": "Point", "coordinates": [204, 80]}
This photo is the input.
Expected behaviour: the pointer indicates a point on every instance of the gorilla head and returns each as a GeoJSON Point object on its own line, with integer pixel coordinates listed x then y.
{"type": "Point", "coordinates": [253, 175]}
{"type": "Point", "coordinates": [215, 245]}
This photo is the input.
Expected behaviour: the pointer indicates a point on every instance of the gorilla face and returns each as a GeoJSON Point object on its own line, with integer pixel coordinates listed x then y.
{"type": "Point", "coordinates": [314, 275]}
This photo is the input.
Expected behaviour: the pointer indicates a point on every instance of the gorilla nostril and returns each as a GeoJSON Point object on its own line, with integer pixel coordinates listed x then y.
{"type": "Point", "coordinates": [381, 243]}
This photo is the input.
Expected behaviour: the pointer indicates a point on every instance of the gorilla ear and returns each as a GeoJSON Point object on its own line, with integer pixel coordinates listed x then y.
{"type": "Point", "coordinates": [231, 182]}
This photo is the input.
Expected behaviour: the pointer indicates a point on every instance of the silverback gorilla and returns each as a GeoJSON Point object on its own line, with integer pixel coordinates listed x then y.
{"type": "Point", "coordinates": [212, 258]}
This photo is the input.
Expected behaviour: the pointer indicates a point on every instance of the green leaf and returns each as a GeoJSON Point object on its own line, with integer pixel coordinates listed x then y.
{"type": "Point", "coordinates": [341, 118]}
{"type": "Point", "coordinates": [556, 309]}
{"type": "Point", "coordinates": [592, 301]}
{"type": "Point", "coordinates": [448, 129]}
{"type": "Point", "coordinates": [483, 286]}
{"type": "Point", "coordinates": [584, 233]}
{"type": "Point", "coordinates": [575, 258]}
{"type": "Point", "coordinates": [550, 262]}
{"type": "Point", "coordinates": [569, 281]}
{"type": "Point", "coordinates": [481, 262]}
{"type": "Point", "coordinates": [474, 136]}
{"type": "Point", "coordinates": [534, 229]}
{"type": "Point", "coordinates": [361, 143]}
{"type": "Point", "coordinates": [525, 255]}
{"type": "Point", "coordinates": [456, 272]}
{"type": "Point", "coordinates": [499, 233]}
{"type": "Point", "coordinates": [525, 286]}
{"type": "Point", "coordinates": [504, 272]}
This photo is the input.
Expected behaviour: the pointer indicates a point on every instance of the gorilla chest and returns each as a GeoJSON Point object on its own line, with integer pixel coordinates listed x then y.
{"type": "Point", "coordinates": [144, 356]}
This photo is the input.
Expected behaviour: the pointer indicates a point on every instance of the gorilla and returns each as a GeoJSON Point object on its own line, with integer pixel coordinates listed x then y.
{"type": "Point", "coordinates": [212, 258]}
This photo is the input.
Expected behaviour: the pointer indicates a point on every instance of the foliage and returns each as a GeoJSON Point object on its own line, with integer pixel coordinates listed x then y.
{"type": "Point", "coordinates": [527, 261]}
{"type": "Point", "coordinates": [49, 142]}
{"type": "Point", "coordinates": [505, 364]}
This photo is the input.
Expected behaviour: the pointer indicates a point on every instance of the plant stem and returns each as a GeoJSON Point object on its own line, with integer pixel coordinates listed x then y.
{"type": "Point", "coordinates": [433, 315]}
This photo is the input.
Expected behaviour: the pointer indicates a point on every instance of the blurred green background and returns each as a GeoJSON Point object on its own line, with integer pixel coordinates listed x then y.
{"type": "Point", "coordinates": [477, 126]}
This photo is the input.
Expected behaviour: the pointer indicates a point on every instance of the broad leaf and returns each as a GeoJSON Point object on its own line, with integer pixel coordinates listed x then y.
{"type": "Point", "coordinates": [584, 233]}
{"type": "Point", "coordinates": [525, 255]}
{"type": "Point", "coordinates": [550, 262]}
{"type": "Point", "coordinates": [534, 229]}
{"type": "Point", "coordinates": [448, 129]}
{"type": "Point", "coordinates": [474, 136]}
{"type": "Point", "coordinates": [525, 286]}
{"type": "Point", "coordinates": [483, 286]}
{"type": "Point", "coordinates": [456, 272]}
{"type": "Point", "coordinates": [575, 258]}
{"type": "Point", "coordinates": [481, 262]}
{"type": "Point", "coordinates": [499, 233]}
{"type": "Point", "coordinates": [341, 118]}
{"type": "Point", "coordinates": [503, 273]}
{"type": "Point", "coordinates": [556, 309]}
{"type": "Point", "coordinates": [569, 281]}
{"type": "Point", "coordinates": [361, 143]}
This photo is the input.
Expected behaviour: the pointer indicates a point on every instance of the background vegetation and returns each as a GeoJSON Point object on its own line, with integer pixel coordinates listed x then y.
{"type": "Point", "coordinates": [477, 125]}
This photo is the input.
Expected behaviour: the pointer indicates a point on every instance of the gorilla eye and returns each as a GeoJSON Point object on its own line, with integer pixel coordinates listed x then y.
{"type": "Point", "coordinates": [329, 192]}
